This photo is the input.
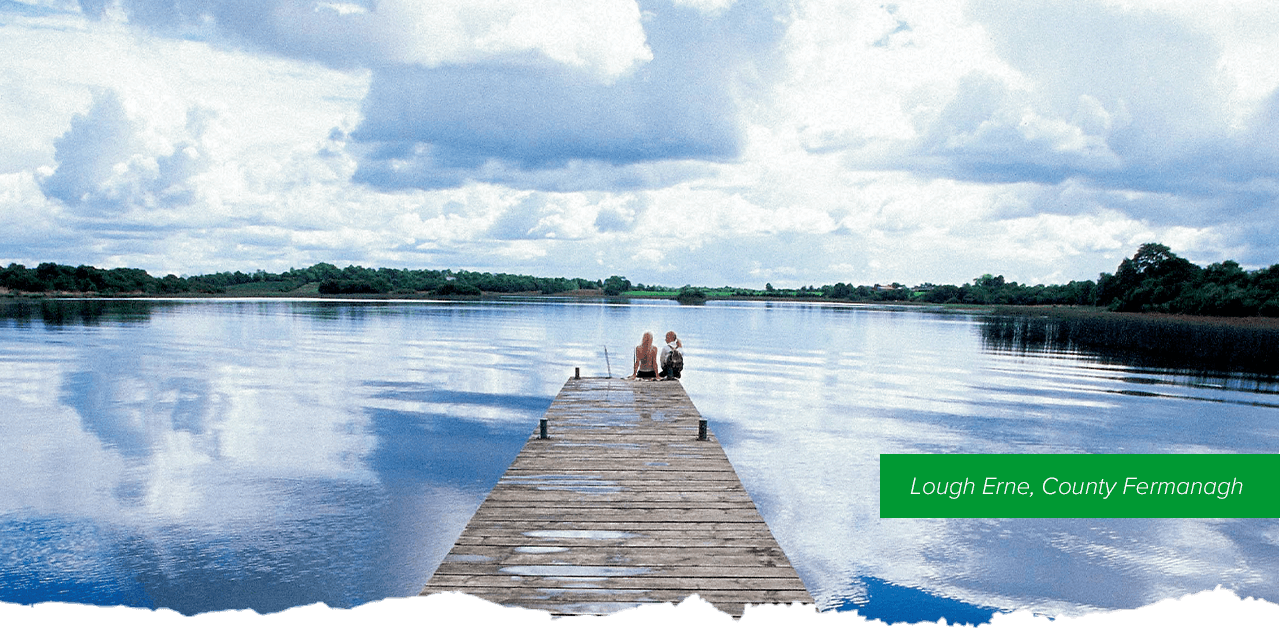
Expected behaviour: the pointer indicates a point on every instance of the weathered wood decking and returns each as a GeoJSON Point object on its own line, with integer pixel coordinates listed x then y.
{"type": "Point", "coordinates": [621, 506]}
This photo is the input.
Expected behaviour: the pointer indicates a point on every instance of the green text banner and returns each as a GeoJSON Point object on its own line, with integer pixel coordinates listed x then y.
{"type": "Point", "coordinates": [1079, 485]}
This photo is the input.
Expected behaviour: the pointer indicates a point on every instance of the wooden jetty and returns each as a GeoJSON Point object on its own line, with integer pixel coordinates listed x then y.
{"type": "Point", "coordinates": [621, 505]}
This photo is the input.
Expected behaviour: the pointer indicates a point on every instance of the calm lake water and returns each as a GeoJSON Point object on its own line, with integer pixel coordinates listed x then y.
{"type": "Point", "coordinates": [215, 454]}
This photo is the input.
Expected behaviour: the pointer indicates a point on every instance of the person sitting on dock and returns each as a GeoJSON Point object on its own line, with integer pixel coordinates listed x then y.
{"type": "Point", "coordinates": [646, 362]}
{"type": "Point", "coordinates": [671, 358]}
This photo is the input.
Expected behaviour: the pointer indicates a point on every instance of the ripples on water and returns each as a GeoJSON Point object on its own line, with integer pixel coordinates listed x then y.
{"type": "Point", "coordinates": [265, 454]}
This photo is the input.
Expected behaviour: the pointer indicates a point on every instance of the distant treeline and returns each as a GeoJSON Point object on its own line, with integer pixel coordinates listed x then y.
{"type": "Point", "coordinates": [329, 279]}
{"type": "Point", "coordinates": [1154, 280]}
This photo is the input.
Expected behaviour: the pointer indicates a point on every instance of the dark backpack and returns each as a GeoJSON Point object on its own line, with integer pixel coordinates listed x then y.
{"type": "Point", "coordinates": [674, 362]}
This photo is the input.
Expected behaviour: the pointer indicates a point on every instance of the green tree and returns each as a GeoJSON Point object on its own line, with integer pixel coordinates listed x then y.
{"type": "Point", "coordinates": [1151, 281]}
{"type": "Point", "coordinates": [989, 282]}
{"type": "Point", "coordinates": [690, 294]}
{"type": "Point", "coordinates": [616, 285]}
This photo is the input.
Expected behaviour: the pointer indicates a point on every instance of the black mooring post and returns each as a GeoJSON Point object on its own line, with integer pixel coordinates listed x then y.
{"type": "Point", "coordinates": [702, 429]}
{"type": "Point", "coordinates": [577, 373]}
{"type": "Point", "coordinates": [542, 429]}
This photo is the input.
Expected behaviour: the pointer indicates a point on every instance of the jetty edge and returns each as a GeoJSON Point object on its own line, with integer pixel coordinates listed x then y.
{"type": "Point", "coordinates": [618, 503]}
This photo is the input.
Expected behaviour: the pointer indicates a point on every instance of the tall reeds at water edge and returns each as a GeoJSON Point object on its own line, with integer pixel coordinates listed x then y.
{"type": "Point", "coordinates": [1139, 340]}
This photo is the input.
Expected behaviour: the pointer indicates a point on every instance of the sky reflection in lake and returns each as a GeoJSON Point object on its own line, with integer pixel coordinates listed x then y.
{"type": "Point", "coordinates": [229, 454]}
{"type": "Point", "coordinates": [855, 383]}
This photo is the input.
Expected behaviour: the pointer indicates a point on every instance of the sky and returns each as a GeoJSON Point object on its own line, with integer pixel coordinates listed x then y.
{"type": "Point", "coordinates": [673, 142]}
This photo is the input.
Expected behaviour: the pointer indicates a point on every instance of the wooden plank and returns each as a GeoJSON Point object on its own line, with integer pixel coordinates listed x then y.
{"type": "Point", "coordinates": [673, 556]}
{"type": "Point", "coordinates": [645, 528]}
{"type": "Point", "coordinates": [621, 506]}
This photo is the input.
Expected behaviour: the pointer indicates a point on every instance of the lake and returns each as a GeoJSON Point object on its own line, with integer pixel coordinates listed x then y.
{"type": "Point", "coordinates": [212, 454]}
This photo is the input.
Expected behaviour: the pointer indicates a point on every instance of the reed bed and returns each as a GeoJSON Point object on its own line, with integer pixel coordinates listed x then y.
{"type": "Point", "coordinates": [1167, 342]}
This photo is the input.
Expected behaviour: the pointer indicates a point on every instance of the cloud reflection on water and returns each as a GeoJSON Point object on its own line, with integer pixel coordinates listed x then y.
{"type": "Point", "coordinates": [806, 438]}
{"type": "Point", "coordinates": [278, 453]}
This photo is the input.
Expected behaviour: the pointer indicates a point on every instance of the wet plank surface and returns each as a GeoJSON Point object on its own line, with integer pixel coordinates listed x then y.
{"type": "Point", "coordinates": [621, 506]}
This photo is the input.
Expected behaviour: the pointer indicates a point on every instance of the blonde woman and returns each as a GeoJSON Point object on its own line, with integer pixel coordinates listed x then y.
{"type": "Point", "coordinates": [646, 362]}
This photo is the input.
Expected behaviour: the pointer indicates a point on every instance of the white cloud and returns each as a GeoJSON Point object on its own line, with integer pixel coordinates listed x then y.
{"type": "Point", "coordinates": [862, 72]}
{"type": "Point", "coordinates": [96, 150]}
{"type": "Point", "coordinates": [555, 128]}
{"type": "Point", "coordinates": [604, 37]}
{"type": "Point", "coordinates": [1028, 92]}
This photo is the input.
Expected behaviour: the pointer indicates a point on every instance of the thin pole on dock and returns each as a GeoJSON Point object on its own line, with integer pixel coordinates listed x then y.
{"type": "Point", "coordinates": [606, 361]}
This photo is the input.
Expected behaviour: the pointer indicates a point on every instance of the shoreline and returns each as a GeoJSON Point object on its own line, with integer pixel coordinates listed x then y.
{"type": "Point", "coordinates": [1059, 311]}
